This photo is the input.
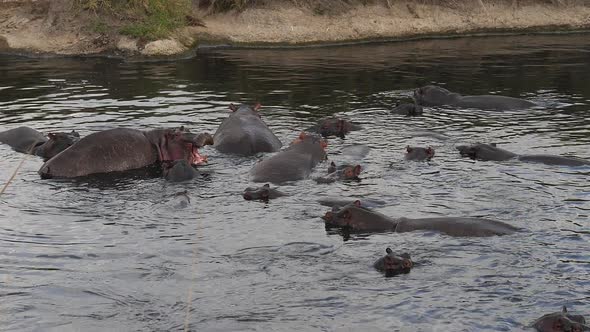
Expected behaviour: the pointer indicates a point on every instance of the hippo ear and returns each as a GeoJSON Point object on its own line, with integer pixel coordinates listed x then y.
{"type": "Point", "coordinates": [388, 250]}
{"type": "Point", "coordinates": [233, 107]}
{"type": "Point", "coordinates": [430, 151]}
{"type": "Point", "coordinates": [333, 164]}
{"type": "Point", "coordinates": [267, 185]}
{"type": "Point", "coordinates": [257, 106]}
{"type": "Point", "coordinates": [564, 309]}
{"type": "Point", "coordinates": [265, 194]}
{"type": "Point", "coordinates": [323, 144]}
{"type": "Point", "coordinates": [357, 170]}
{"type": "Point", "coordinates": [302, 135]}
{"type": "Point", "coordinates": [409, 149]}
{"type": "Point", "coordinates": [357, 203]}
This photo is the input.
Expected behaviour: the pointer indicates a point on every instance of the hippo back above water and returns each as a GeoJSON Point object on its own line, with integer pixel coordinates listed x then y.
{"type": "Point", "coordinates": [31, 141]}
{"type": "Point", "coordinates": [481, 151]}
{"type": "Point", "coordinates": [432, 95]}
{"type": "Point", "coordinates": [244, 133]}
{"type": "Point", "coordinates": [123, 149]}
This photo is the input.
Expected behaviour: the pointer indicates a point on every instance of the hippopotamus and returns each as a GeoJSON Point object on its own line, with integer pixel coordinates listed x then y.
{"type": "Point", "coordinates": [333, 127]}
{"type": "Point", "coordinates": [263, 193]}
{"type": "Point", "coordinates": [418, 153]}
{"type": "Point", "coordinates": [244, 133]}
{"type": "Point", "coordinates": [28, 140]}
{"type": "Point", "coordinates": [178, 170]}
{"type": "Point", "coordinates": [342, 172]}
{"type": "Point", "coordinates": [393, 265]}
{"type": "Point", "coordinates": [355, 218]}
{"type": "Point", "coordinates": [407, 109]}
{"type": "Point", "coordinates": [338, 202]}
{"type": "Point", "coordinates": [124, 149]}
{"type": "Point", "coordinates": [294, 163]}
{"type": "Point", "coordinates": [481, 151]}
{"type": "Point", "coordinates": [561, 322]}
{"type": "Point", "coordinates": [432, 95]}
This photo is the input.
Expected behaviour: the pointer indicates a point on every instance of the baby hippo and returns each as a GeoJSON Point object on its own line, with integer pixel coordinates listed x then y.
{"type": "Point", "coordinates": [342, 172]}
{"type": "Point", "coordinates": [263, 193]}
{"type": "Point", "coordinates": [419, 154]}
{"type": "Point", "coordinates": [561, 322]}
{"type": "Point", "coordinates": [393, 265]}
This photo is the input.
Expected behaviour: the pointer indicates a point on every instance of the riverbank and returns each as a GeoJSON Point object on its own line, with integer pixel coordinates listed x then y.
{"type": "Point", "coordinates": [40, 27]}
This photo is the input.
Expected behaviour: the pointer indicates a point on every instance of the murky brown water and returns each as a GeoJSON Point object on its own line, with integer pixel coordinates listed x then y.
{"type": "Point", "coordinates": [125, 254]}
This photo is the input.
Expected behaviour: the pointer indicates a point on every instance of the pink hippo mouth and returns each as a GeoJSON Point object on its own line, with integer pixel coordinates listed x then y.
{"type": "Point", "coordinates": [194, 157]}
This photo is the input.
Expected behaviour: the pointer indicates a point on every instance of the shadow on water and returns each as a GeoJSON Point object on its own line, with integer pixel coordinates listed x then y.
{"type": "Point", "coordinates": [122, 252]}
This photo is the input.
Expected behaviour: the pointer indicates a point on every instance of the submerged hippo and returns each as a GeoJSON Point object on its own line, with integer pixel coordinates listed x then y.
{"type": "Point", "coordinates": [419, 154]}
{"type": "Point", "coordinates": [124, 149]}
{"type": "Point", "coordinates": [339, 202]}
{"type": "Point", "coordinates": [179, 170]}
{"type": "Point", "coordinates": [294, 163]}
{"type": "Point", "coordinates": [342, 172]}
{"type": "Point", "coordinates": [355, 218]}
{"type": "Point", "coordinates": [432, 95]}
{"type": "Point", "coordinates": [244, 133]}
{"type": "Point", "coordinates": [407, 109]}
{"type": "Point", "coordinates": [263, 193]}
{"type": "Point", "coordinates": [481, 151]}
{"type": "Point", "coordinates": [561, 322]}
{"type": "Point", "coordinates": [28, 140]}
{"type": "Point", "coordinates": [393, 265]}
{"type": "Point", "coordinates": [333, 127]}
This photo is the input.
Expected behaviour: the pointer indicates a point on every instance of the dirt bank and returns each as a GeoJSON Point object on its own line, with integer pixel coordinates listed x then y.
{"type": "Point", "coordinates": [56, 27]}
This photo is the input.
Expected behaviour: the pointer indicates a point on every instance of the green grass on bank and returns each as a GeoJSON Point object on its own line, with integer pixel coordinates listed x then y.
{"type": "Point", "coordinates": [150, 19]}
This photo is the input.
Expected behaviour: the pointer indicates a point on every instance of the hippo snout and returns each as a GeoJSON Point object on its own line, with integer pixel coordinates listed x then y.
{"type": "Point", "coordinates": [466, 151]}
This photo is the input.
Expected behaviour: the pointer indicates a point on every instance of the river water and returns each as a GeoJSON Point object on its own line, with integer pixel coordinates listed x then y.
{"type": "Point", "coordinates": [136, 254]}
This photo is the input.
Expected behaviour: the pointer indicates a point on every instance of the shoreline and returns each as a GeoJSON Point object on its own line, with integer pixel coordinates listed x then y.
{"type": "Point", "coordinates": [24, 33]}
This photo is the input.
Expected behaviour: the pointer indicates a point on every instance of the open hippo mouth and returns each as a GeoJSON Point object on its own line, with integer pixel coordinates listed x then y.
{"type": "Point", "coordinates": [180, 144]}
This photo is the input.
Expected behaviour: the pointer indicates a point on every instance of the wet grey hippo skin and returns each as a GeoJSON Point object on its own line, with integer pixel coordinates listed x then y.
{"type": "Point", "coordinates": [561, 322]}
{"type": "Point", "coordinates": [263, 193]}
{"type": "Point", "coordinates": [481, 151]}
{"type": "Point", "coordinates": [355, 218]}
{"type": "Point", "coordinates": [244, 133]}
{"type": "Point", "coordinates": [294, 163]}
{"type": "Point", "coordinates": [419, 154]}
{"type": "Point", "coordinates": [407, 109]}
{"type": "Point", "coordinates": [392, 264]}
{"type": "Point", "coordinates": [333, 127]}
{"type": "Point", "coordinates": [179, 170]}
{"type": "Point", "coordinates": [342, 172]}
{"type": "Point", "coordinates": [338, 202]}
{"type": "Point", "coordinates": [123, 149]}
{"type": "Point", "coordinates": [28, 140]}
{"type": "Point", "coordinates": [432, 95]}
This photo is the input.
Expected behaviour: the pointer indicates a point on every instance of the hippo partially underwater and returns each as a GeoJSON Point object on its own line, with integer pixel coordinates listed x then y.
{"type": "Point", "coordinates": [432, 95]}
{"type": "Point", "coordinates": [392, 264]}
{"type": "Point", "coordinates": [31, 141]}
{"type": "Point", "coordinates": [561, 322]}
{"type": "Point", "coordinates": [481, 151]}
{"type": "Point", "coordinates": [355, 218]}
{"type": "Point", "coordinates": [124, 149]}
{"type": "Point", "coordinates": [333, 127]}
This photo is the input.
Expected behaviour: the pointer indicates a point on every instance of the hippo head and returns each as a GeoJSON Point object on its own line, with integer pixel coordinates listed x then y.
{"type": "Point", "coordinates": [351, 172]}
{"type": "Point", "coordinates": [432, 95]}
{"type": "Point", "coordinates": [417, 153]}
{"type": "Point", "coordinates": [179, 143]}
{"type": "Point", "coordinates": [342, 217]}
{"type": "Point", "coordinates": [56, 143]}
{"type": "Point", "coordinates": [261, 193]}
{"type": "Point", "coordinates": [394, 265]}
{"type": "Point", "coordinates": [332, 168]}
{"type": "Point", "coordinates": [561, 322]}
{"type": "Point", "coordinates": [334, 127]}
{"type": "Point", "coordinates": [311, 143]}
{"type": "Point", "coordinates": [243, 108]}
{"type": "Point", "coordinates": [482, 151]}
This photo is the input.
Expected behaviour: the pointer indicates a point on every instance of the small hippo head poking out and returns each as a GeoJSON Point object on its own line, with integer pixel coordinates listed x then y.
{"type": "Point", "coordinates": [264, 193]}
{"type": "Point", "coordinates": [482, 151]}
{"type": "Point", "coordinates": [561, 322]}
{"type": "Point", "coordinates": [432, 95]}
{"type": "Point", "coordinates": [393, 265]}
{"type": "Point", "coordinates": [419, 154]}
{"type": "Point", "coordinates": [56, 143]}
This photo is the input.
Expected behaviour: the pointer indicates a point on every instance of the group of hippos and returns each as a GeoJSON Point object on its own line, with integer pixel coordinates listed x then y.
{"type": "Point", "coordinates": [175, 154]}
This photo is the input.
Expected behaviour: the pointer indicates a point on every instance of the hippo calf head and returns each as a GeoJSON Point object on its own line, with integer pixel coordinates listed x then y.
{"type": "Point", "coordinates": [561, 322]}
{"type": "Point", "coordinates": [334, 127]}
{"type": "Point", "coordinates": [432, 95]}
{"type": "Point", "coordinates": [418, 153]}
{"type": "Point", "coordinates": [393, 265]}
{"type": "Point", "coordinates": [243, 108]}
{"type": "Point", "coordinates": [179, 143]}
